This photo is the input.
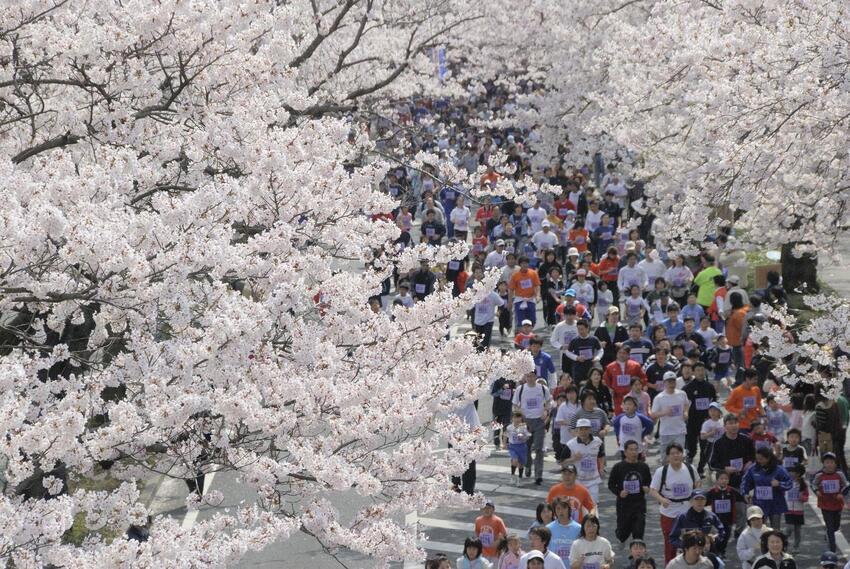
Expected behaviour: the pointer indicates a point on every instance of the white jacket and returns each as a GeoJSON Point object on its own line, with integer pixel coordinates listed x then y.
{"type": "Point", "coordinates": [749, 545]}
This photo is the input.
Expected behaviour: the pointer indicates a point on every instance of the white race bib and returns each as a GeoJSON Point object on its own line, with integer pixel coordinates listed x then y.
{"type": "Point", "coordinates": [419, 288]}
{"type": "Point", "coordinates": [702, 403]}
{"type": "Point", "coordinates": [624, 380]}
{"type": "Point", "coordinates": [631, 486]}
{"type": "Point", "coordinates": [722, 506]}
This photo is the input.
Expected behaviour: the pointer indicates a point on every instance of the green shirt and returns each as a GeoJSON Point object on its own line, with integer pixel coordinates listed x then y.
{"type": "Point", "coordinates": [705, 281]}
{"type": "Point", "coordinates": [843, 410]}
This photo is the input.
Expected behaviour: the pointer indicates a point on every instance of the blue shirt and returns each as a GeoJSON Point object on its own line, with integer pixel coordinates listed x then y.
{"type": "Point", "coordinates": [694, 311]}
{"type": "Point", "coordinates": [673, 328]}
{"type": "Point", "coordinates": [543, 365]}
{"type": "Point", "coordinates": [563, 538]}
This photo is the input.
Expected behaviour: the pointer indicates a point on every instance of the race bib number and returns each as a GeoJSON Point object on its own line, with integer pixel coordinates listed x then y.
{"type": "Point", "coordinates": [586, 353]}
{"type": "Point", "coordinates": [454, 265]}
{"type": "Point", "coordinates": [792, 495]}
{"type": "Point", "coordinates": [628, 430]}
{"type": "Point", "coordinates": [681, 490]}
{"type": "Point", "coordinates": [623, 380]}
{"type": "Point", "coordinates": [789, 461]}
{"type": "Point", "coordinates": [764, 493]}
{"type": "Point", "coordinates": [579, 240]}
{"type": "Point", "coordinates": [449, 195]}
{"type": "Point", "coordinates": [595, 425]}
{"type": "Point", "coordinates": [486, 536]}
{"type": "Point", "coordinates": [563, 211]}
{"type": "Point", "coordinates": [749, 402]}
{"type": "Point", "coordinates": [675, 410]}
{"type": "Point", "coordinates": [420, 289]}
{"type": "Point", "coordinates": [762, 444]}
{"type": "Point", "coordinates": [588, 464]}
{"type": "Point", "coordinates": [430, 232]}
{"type": "Point", "coordinates": [477, 248]}
{"type": "Point", "coordinates": [525, 283]}
{"type": "Point", "coordinates": [722, 506]}
{"type": "Point", "coordinates": [737, 463]}
{"type": "Point", "coordinates": [632, 486]}
{"type": "Point", "coordinates": [507, 394]}
{"type": "Point", "coordinates": [606, 235]}
{"type": "Point", "coordinates": [678, 282]}
{"type": "Point", "coordinates": [532, 403]}
{"type": "Point", "coordinates": [830, 486]}
{"type": "Point", "coordinates": [723, 358]}
{"type": "Point", "coordinates": [563, 552]}
{"type": "Point", "coordinates": [393, 190]}
{"type": "Point", "coordinates": [702, 403]}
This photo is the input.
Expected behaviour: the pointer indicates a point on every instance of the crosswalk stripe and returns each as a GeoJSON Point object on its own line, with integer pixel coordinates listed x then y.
{"type": "Point", "coordinates": [513, 490]}
{"type": "Point", "coordinates": [442, 546]}
{"type": "Point", "coordinates": [468, 527]}
{"type": "Point", "coordinates": [507, 470]}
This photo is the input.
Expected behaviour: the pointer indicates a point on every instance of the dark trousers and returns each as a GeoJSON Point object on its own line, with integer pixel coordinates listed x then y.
{"type": "Point", "coordinates": [485, 334]}
{"type": "Point", "coordinates": [719, 546]}
{"type": "Point", "coordinates": [466, 482]}
{"type": "Point", "coordinates": [832, 520]}
{"type": "Point", "coordinates": [692, 440]}
{"type": "Point", "coordinates": [631, 521]}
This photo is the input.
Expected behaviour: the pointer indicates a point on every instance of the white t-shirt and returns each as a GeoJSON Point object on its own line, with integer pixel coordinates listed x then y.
{"type": "Point", "coordinates": [460, 218]}
{"type": "Point", "coordinates": [550, 561]}
{"type": "Point", "coordinates": [678, 403]}
{"type": "Point", "coordinates": [593, 220]}
{"type": "Point", "coordinates": [631, 429]}
{"type": "Point", "coordinates": [709, 335]}
{"type": "Point", "coordinates": [592, 553]}
{"type": "Point", "coordinates": [485, 308]}
{"type": "Point", "coordinates": [565, 414]}
{"type": "Point", "coordinates": [544, 240]}
{"type": "Point", "coordinates": [495, 259]}
{"type": "Point", "coordinates": [535, 216]}
{"type": "Point", "coordinates": [563, 333]}
{"type": "Point", "coordinates": [532, 400]}
{"type": "Point", "coordinates": [677, 486]}
{"type": "Point", "coordinates": [714, 429]}
{"type": "Point", "coordinates": [584, 292]}
{"type": "Point", "coordinates": [588, 466]}
{"type": "Point", "coordinates": [517, 435]}
{"type": "Point", "coordinates": [653, 269]}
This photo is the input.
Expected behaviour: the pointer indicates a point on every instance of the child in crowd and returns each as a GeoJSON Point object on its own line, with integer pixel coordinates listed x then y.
{"type": "Point", "coordinates": [830, 486]}
{"type": "Point", "coordinates": [522, 340]}
{"type": "Point", "coordinates": [793, 453]}
{"type": "Point", "coordinates": [776, 418]}
{"type": "Point", "coordinates": [722, 499]}
{"type": "Point", "coordinates": [796, 498]}
{"type": "Point", "coordinates": [518, 435]}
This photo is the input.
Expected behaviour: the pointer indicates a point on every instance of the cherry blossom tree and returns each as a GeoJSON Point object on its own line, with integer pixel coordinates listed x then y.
{"type": "Point", "coordinates": [183, 180]}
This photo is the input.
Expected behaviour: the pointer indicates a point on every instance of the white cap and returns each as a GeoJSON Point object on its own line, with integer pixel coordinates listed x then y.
{"type": "Point", "coordinates": [583, 423]}
{"type": "Point", "coordinates": [572, 251]}
{"type": "Point", "coordinates": [534, 554]}
{"type": "Point", "coordinates": [500, 242]}
{"type": "Point", "coordinates": [545, 223]}
{"type": "Point", "coordinates": [526, 323]}
{"type": "Point", "coordinates": [733, 279]}
{"type": "Point", "coordinates": [630, 246]}
{"type": "Point", "coordinates": [669, 375]}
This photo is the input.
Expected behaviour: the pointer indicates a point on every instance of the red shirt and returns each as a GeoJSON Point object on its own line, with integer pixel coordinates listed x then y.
{"type": "Point", "coordinates": [562, 206]}
{"type": "Point", "coordinates": [619, 380]}
{"type": "Point", "coordinates": [830, 489]}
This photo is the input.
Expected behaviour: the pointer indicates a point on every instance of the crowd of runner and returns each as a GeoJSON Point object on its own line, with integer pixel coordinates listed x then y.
{"type": "Point", "coordinates": [650, 346]}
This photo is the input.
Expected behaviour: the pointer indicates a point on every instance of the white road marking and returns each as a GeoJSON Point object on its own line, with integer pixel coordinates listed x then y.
{"type": "Point", "coordinates": [192, 515]}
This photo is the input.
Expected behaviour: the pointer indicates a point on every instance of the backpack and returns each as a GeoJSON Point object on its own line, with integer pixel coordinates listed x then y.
{"type": "Point", "coordinates": [664, 475]}
{"type": "Point", "coordinates": [541, 384]}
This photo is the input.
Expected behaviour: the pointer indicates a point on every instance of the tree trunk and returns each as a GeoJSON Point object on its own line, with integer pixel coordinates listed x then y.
{"type": "Point", "coordinates": [799, 272]}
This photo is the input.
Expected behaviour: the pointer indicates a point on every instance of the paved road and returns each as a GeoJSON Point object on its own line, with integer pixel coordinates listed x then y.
{"type": "Point", "coordinates": [447, 530]}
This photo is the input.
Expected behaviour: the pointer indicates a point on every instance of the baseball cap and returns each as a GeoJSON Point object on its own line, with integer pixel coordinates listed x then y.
{"type": "Point", "coordinates": [733, 279]}
{"type": "Point", "coordinates": [613, 310]}
{"type": "Point", "coordinates": [527, 323]}
{"type": "Point", "coordinates": [581, 273]}
{"type": "Point", "coordinates": [827, 455]}
{"type": "Point", "coordinates": [569, 468]}
{"type": "Point", "coordinates": [583, 423]}
{"type": "Point", "coordinates": [500, 242]}
{"type": "Point", "coordinates": [828, 558]}
{"type": "Point", "coordinates": [715, 405]}
{"type": "Point", "coordinates": [572, 251]}
{"type": "Point", "coordinates": [571, 212]}
{"type": "Point", "coordinates": [698, 494]}
{"type": "Point", "coordinates": [754, 512]}
{"type": "Point", "coordinates": [534, 554]}
{"type": "Point", "coordinates": [490, 503]}
{"type": "Point", "coordinates": [570, 292]}
{"type": "Point", "coordinates": [545, 223]}
{"type": "Point", "coordinates": [669, 375]}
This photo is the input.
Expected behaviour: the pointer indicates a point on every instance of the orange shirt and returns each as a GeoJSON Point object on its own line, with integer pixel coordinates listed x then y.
{"type": "Point", "coordinates": [578, 496]}
{"type": "Point", "coordinates": [524, 283]}
{"type": "Point", "coordinates": [523, 341]}
{"type": "Point", "coordinates": [578, 239]}
{"type": "Point", "coordinates": [735, 326]}
{"type": "Point", "coordinates": [490, 529]}
{"type": "Point", "coordinates": [746, 400]}
{"type": "Point", "coordinates": [607, 268]}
